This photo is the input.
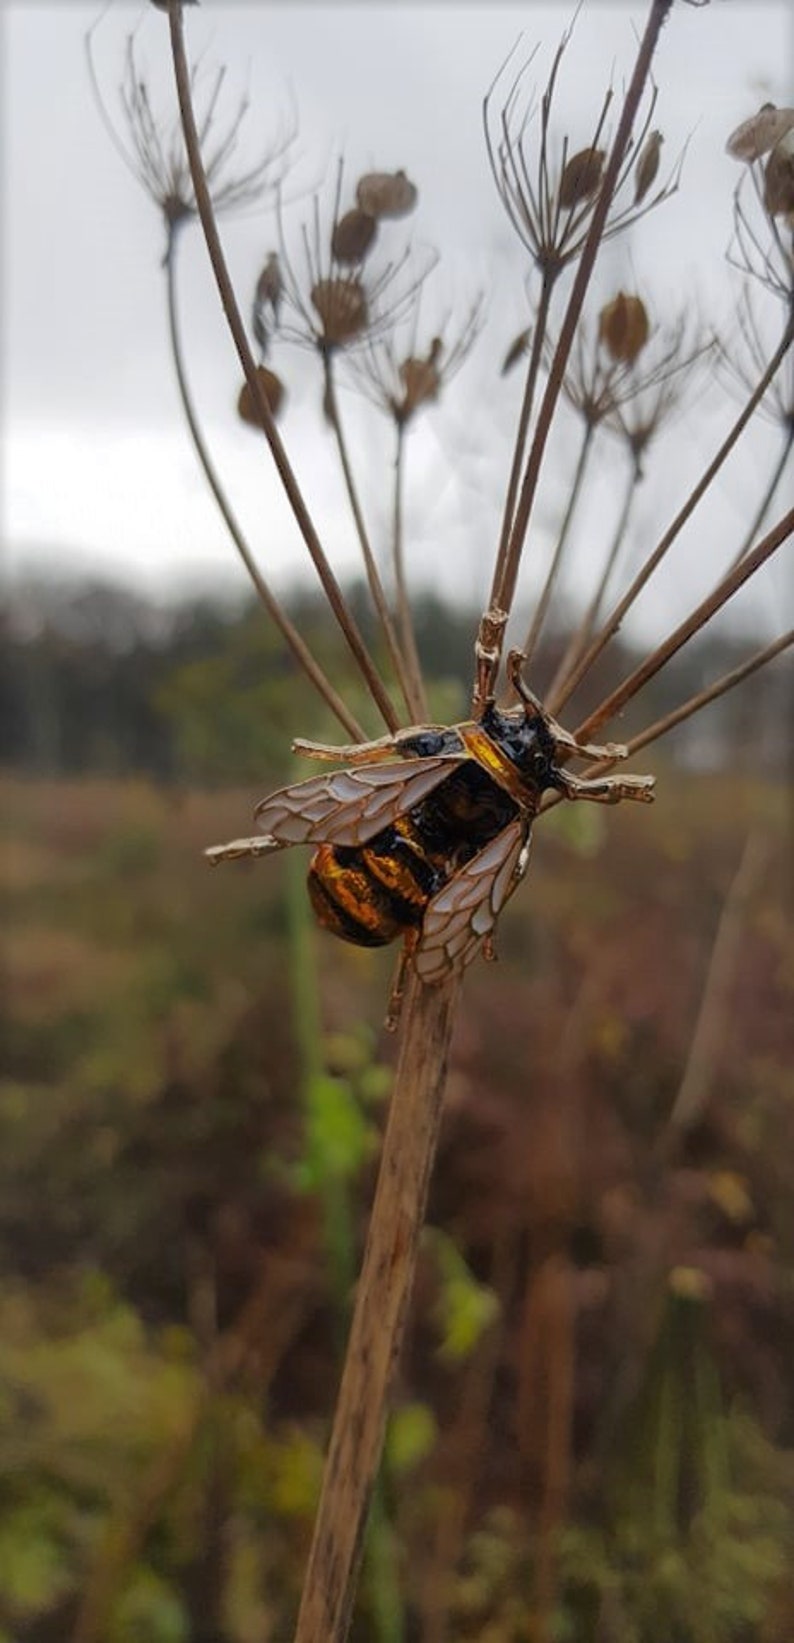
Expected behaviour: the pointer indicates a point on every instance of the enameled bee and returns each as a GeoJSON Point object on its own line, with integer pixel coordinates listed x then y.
{"type": "Point", "coordinates": [426, 834]}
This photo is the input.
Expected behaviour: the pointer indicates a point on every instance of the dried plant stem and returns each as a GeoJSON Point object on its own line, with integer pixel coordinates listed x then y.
{"type": "Point", "coordinates": [530, 384]}
{"type": "Point", "coordinates": [692, 624]}
{"type": "Point", "coordinates": [289, 632]}
{"type": "Point", "coordinates": [539, 614]}
{"type": "Point", "coordinates": [767, 498]}
{"type": "Point", "coordinates": [231, 309]}
{"type": "Point", "coordinates": [579, 639]}
{"type": "Point", "coordinates": [690, 707]}
{"type": "Point", "coordinates": [404, 617]}
{"type": "Point", "coordinates": [714, 1009]}
{"type": "Point", "coordinates": [376, 587]}
{"type": "Point", "coordinates": [504, 585]}
{"type": "Point", "coordinates": [379, 1317]}
{"type": "Point", "coordinates": [614, 620]}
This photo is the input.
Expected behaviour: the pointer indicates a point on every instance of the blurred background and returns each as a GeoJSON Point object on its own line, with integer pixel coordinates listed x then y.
{"type": "Point", "coordinates": [593, 1434]}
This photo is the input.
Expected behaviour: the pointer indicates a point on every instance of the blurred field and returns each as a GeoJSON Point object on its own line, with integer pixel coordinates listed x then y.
{"type": "Point", "coordinates": [595, 1429]}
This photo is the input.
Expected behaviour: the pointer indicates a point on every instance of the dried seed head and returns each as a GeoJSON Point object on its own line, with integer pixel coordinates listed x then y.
{"type": "Point", "coordinates": [270, 285]}
{"type": "Point", "coordinates": [779, 177]}
{"type": "Point", "coordinates": [647, 165]}
{"type": "Point", "coordinates": [758, 135]}
{"type": "Point", "coordinates": [421, 380]}
{"type": "Point", "coordinates": [353, 236]}
{"type": "Point", "coordinates": [342, 307]}
{"type": "Point", "coordinates": [516, 351]}
{"type": "Point", "coordinates": [386, 194]}
{"type": "Point", "coordinates": [273, 389]}
{"type": "Point", "coordinates": [581, 177]}
{"type": "Point", "coordinates": [623, 328]}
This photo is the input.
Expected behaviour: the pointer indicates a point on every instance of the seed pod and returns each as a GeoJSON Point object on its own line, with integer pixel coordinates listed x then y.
{"type": "Point", "coordinates": [516, 350]}
{"type": "Point", "coordinates": [270, 286]}
{"type": "Point", "coordinates": [581, 177]}
{"type": "Point", "coordinates": [342, 307]}
{"type": "Point", "coordinates": [421, 382]}
{"type": "Point", "coordinates": [623, 328]}
{"type": "Point", "coordinates": [647, 165]}
{"type": "Point", "coordinates": [759, 134]}
{"type": "Point", "coordinates": [779, 178]}
{"type": "Point", "coordinates": [273, 388]}
{"type": "Point", "coordinates": [353, 236]}
{"type": "Point", "coordinates": [386, 194]}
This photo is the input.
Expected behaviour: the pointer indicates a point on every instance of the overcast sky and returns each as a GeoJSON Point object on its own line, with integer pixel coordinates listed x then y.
{"type": "Point", "coordinates": [99, 473]}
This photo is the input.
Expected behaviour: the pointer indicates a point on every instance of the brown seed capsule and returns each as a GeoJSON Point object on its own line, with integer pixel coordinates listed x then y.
{"type": "Point", "coordinates": [386, 194]}
{"type": "Point", "coordinates": [342, 307]}
{"type": "Point", "coordinates": [273, 388]}
{"type": "Point", "coordinates": [581, 177]}
{"type": "Point", "coordinates": [759, 134]}
{"type": "Point", "coordinates": [353, 236]}
{"type": "Point", "coordinates": [421, 382]}
{"type": "Point", "coordinates": [623, 328]}
{"type": "Point", "coordinates": [516, 350]}
{"type": "Point", "coordinates": [779, 178]}
{"type": "Point", "coordinates": [647, 165]}
{"type": "Point", "coordinates": [270, 285]}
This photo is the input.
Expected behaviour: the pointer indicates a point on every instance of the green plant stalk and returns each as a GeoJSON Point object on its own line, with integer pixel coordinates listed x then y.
{"type": "Point", "coordinates": [336, 1213]}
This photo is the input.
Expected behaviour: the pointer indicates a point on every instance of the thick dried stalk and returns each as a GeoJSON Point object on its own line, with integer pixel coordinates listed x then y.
{"type": "Point", "coordinates": [530, 384]}
{"type": "Point", "coordinates": [231, 309]}
{"type": "Point", "coordinates": [287, 629]}
{"type": "Point", "coordinates": [504, 586]}
{"type": "Point", "coordinates": [702, 614]}
{"type": "Point", "coordinates": [614, 620]}
{"type": "Point", "coordinates": [376, 588]}
{"type": "Point", "coordinates": [378, 1325]}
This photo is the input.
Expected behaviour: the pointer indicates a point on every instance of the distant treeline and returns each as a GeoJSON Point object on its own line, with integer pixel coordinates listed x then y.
{"type": "Point", "coordinates": [96, 679]}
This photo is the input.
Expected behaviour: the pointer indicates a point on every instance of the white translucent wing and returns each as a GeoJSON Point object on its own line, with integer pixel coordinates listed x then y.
{"type": "Point", "coordinates": [350, 806]}
{"type": "Point", "coordinates": [460, 917]}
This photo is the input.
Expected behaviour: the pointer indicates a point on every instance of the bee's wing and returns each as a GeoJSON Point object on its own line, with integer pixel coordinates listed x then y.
{"type": "Point", "coordinates": [349, 807]}
{"type": "Point", "coordinates": [460, 917]}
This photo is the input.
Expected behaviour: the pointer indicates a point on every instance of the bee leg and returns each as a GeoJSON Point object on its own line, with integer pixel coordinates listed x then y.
{"type": "Point", "coordinates": [585, 750]}
{"type": "Point", "coordinates": [358, 753]}
{"type": "Point", "coordinates": [605, 789]}
{"type": "Point", "coordinates": [262, 845]}
{"type": "Point", "coordinates": [397, 994]}
{"type": "Point", "coordinates": [489, 952]}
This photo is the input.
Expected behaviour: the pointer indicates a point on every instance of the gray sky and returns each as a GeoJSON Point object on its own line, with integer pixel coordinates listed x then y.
{"type": "Point", "coordinates": [99, 474]}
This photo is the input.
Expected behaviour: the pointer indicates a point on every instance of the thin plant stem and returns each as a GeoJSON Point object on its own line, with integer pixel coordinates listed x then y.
{"type": "Point", "coordinates": [379, 1317]}
{"type": "Point", "coordinates": [539, 616]}
{"type": "Point", "coordinates": [287, 629]}
{"type": "Point", "coordinates": [373, 575]}
{"type": "Point", "coordinates": [767, 498]}
{"type": "Point", "coordinates": [530, 384]}
{"type": "Point", "coordinates": [579, 639]}
{"type": "Point", "coordinates": [686, 630]}
{"type": "Point", "coordinates": [689, 708]}
{"type": "Point", "coordinates": [615, 618]}
{"type": "Point", "coordinates": [231, 309]}
{"type": "Point", "coordinates": [712, 1018]}
{"type": "Point", "coordinates": [404, 616]}
{"type": "Point", "coordinates": [505, 584]}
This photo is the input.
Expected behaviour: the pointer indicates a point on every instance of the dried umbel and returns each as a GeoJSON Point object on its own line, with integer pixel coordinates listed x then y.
{"type": "Point", "coordinates": [759, 134]}
{"type": "Point", "coordinates": [779, 178]}
{"type": "Point", "coordinates": [353, 236]}
{"type": "Point", "coordinates": [386, 194]}
{"type": "Point", "coordinates": [273, 389]}
{"type": "Point", "coordinates": [623, 328]}
{"type": "Point", "coordinates": [342, 307]}
{"type": "Point", "coordinates": [421, 380]}
{"type": "Point", "coordinates": [581, 177]}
